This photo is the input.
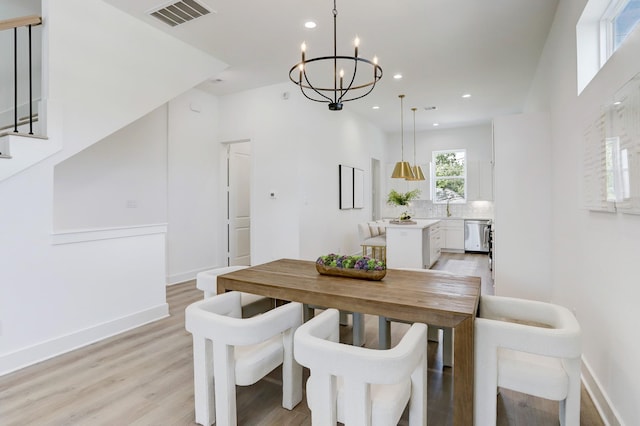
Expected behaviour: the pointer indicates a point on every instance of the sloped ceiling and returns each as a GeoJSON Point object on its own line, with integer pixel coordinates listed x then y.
{"type": "Point", "coordinates": [443, 48]}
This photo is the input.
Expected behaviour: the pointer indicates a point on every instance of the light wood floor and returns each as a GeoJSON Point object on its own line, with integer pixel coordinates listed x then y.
{"type": "Point", "coordinates": [144, 377]}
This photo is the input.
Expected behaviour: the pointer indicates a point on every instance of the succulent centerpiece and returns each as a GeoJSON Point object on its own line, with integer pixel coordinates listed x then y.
{"type": "Point", "coordinates": [362, 267]}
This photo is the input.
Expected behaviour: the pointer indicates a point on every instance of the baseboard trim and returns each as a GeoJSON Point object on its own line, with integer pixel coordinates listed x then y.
{"type": "Point", "coordinates": [187, 276]}
{"type": "Point", "coordinates": [603, 404]}
{"type": "Point", "coordinates": [40, 352]}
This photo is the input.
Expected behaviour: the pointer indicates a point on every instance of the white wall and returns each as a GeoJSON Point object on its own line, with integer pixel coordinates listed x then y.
{"type": "Point", "coordinates": [119, 181]}
{"type": "Point", "coordinates": [522, 238]}
{"type": "Point", "coordinates": [297, 146]}
{"type": "Point", "coordinates": [594, 256]}
{"type": "Point", "coordinates": [476, 139]}
{"type": "Point", "coordinates": [55, 297]}
{"type": "Point", "coordinates": [194, 241]}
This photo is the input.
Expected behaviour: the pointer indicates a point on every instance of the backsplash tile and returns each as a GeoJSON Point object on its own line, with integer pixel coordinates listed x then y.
{"type": "Point", "coordinates": [427, 209]}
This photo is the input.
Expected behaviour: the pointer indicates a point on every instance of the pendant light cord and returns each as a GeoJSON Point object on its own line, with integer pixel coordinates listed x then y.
{"type": "Point", "coordinates": [414, 136]}
{"type": "Point", "coordinates": [401, 128]}
{"type": "Point", "coordinates": [335, 53]}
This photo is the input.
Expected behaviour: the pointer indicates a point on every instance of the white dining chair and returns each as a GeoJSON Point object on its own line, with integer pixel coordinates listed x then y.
{"type": "Point", "coordinates": [236, 351]}
{"type": "Point", "coordinates": [252, 304]}
{"type": "Point", "coordinates": [362, 386]}
{"type": "Point", "coordinates": [530, 347]}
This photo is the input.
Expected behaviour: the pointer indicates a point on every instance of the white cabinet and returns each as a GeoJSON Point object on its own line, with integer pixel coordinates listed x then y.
{"type": "Point", "coordinates": [435, 243]}
{"type": "Point", "coordinates": [479, 180]}
{"type": "Point", "coordinates": [452, 231]}
{"type": "Point", "coordinates": [410, 246]}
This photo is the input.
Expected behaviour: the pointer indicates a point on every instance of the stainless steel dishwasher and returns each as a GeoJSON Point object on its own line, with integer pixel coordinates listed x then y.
{"type": "Point", "coordinates": [476, 235]}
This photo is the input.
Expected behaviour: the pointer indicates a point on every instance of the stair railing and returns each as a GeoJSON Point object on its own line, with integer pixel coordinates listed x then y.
{"type": "Point", "coordinates": [15, 23]}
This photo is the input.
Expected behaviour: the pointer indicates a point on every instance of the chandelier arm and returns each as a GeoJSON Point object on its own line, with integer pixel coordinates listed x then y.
{"type": "Point", "coordinates": [353, 77]}
{"type": "Point", "coordinates": [373, 85]}
{"type": "Point", "coordinates": [304, 73]}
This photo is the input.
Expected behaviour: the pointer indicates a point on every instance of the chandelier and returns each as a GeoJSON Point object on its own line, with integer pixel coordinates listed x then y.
{"type": "Point", "coordinates": [402, 170]}
{"type": "Point", "coordinates": [334, 88]}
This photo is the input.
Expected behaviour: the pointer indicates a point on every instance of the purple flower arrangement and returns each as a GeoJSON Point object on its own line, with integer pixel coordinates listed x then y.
{"type": "Point", "coordinates": [363, 263]}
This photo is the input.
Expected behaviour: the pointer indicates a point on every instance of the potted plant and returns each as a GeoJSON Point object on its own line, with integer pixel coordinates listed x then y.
{"type": "Point", "coordinates": [400, 199]}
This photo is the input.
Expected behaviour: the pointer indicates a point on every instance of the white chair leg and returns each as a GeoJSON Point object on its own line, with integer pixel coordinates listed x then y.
{"type": "Point", "coordinates": [291, 374]}
{"type": "Point", "coordinates": [225, 385]}
{"type": "Point", "coordinates": [418, 401]}
{"type": "Point", "coordinates": [570, 407]}
{"type": "Point", "coordinates": [203, 381]}
{"type": "Point", "coordinates": [358, 399]}
{"type": "Point", "coordinates": [485, 400]}
{"type": "Point", "coordinates": [325, 397]}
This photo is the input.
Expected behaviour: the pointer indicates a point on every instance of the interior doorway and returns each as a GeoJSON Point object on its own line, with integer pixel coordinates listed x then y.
{"type": "Point", "coordinates": [375, 189]}
{"type": "Point", "coordinates": [238, 197]}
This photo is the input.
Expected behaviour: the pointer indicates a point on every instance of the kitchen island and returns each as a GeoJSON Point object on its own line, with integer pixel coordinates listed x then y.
{"type": "Point", "coordinates": [414, 245]}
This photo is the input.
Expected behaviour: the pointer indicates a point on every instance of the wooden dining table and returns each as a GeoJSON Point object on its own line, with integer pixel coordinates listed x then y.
{"type": "Point", "coordinates": [431, 297]}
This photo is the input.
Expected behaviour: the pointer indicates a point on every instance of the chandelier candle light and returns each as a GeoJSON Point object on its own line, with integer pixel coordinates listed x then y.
{"type": "Point", "coordinates": [416, 169]}
{"type": "Point", "coordinates": [339, 93]}
{"type": "Point", "coordinates": [402, 170]}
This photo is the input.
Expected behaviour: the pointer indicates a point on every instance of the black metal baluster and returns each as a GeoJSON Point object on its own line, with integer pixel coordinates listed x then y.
{"type": "Point", "coordinates": [15, 80]}
{"type": "Point", "coordinates": [30, 88]}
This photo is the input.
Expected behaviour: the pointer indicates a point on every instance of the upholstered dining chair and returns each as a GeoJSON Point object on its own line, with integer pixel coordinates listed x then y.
{"type": "Point", "coordinates": [373, 239]}
{"type": "Point", "coordinates": [530, 347]}
{"type": "Point", "coordinates": [361, 386]}
{"type": "Point", "coordinates": [237, 351]}
{"type": "Point", "coordinates": [252, 304]}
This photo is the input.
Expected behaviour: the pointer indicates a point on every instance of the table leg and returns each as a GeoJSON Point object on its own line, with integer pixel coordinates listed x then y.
{"type": "Point", "coordinates": [463, 374]}
{"type": "Point", "coordinates": [358, 329]}
{"type": "Point", "coordinates": [307, 312]}
{"type": "Point", "coordinates": [384, 333]}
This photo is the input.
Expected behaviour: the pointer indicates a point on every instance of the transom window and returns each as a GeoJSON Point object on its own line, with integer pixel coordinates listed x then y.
{"type": "Point", "coordinates": [617, 23]}
{"type": "Point", "coordinates": [450, 176]}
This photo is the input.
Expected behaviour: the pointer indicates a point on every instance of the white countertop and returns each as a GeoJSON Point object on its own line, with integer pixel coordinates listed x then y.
{"type": "Point", "coordinates": [420, 224]}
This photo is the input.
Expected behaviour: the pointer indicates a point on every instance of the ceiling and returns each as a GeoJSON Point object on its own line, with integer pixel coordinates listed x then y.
{"type": "Point", "coordinates": [443, 49]}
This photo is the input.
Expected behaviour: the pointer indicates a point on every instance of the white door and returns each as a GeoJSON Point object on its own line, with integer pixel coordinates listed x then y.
{"type": "Point", "coordinates": [375, 189]}
{"type": "Point", "coordinates": [239, 203]}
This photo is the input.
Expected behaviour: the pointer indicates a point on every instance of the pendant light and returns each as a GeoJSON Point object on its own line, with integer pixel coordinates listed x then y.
{"type": "Point", "coordinates": [402, 170]}
{"type": "Point", "coordinates": [417, 171]}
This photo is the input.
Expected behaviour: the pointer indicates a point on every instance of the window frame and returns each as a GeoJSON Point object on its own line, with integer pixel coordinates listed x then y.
{"type": "Point", "coordinates": [607, 29]}
{"type": "Point", "coordinates": [434, 178]}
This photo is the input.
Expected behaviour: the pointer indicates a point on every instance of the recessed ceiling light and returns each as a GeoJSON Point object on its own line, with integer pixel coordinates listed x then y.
{"type": "Point", "coordinates": [375, 107]}
{"type": "Point", "coordinates": [466, 95]}
{"type": "Point", "coordinates": [436, 124]}
{"type": "Point", "coordinates": [617, 102]}
{"type": "Point", "coordinates": [397, 76]}
{"type": "Point", "coordinates": [310, 24]}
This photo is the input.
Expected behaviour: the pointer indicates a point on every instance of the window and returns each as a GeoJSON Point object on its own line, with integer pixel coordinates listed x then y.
{"type": "Point", "coordinates": [601, 29]}
{"type": "Point", "coordinates": [450, 176]}
{"type": "Point", "coordinates": [617, 23]}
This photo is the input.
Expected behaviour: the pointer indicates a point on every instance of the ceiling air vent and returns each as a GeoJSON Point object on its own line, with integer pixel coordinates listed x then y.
{"type": "Point", "coordinates": [180, 12]}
